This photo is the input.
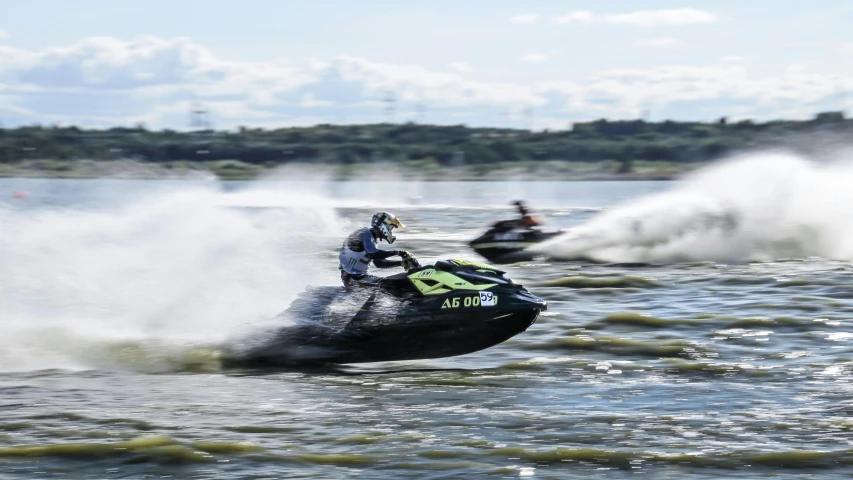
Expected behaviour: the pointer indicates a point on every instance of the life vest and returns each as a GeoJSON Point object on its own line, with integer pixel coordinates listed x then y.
{"type": "Point", "coordinates": [353, 257]}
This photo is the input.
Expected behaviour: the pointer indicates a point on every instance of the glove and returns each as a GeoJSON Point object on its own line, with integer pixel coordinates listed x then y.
{"type": "Point", "coordinates": [409, 261]}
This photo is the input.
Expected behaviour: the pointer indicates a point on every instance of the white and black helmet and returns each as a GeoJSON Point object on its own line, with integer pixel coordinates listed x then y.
{"type": "Point", "coordinates": [384, 223]}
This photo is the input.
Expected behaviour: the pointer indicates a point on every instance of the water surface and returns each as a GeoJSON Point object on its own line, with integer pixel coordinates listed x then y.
{"type": "Point", "coordinates": [117, 294]}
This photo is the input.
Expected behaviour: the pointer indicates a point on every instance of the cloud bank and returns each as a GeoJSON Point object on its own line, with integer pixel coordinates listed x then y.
{"type": "Point", "coordinates": [104, 81]}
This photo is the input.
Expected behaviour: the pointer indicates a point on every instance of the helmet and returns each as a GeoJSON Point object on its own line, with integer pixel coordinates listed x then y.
{"type": "Point", "coordinates": [383, 223]}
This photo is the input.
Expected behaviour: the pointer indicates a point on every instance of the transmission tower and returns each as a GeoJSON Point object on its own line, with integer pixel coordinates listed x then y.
{"type": "Point", "coordinates": [390, 106]}
{"type": "Point", "coordinates": [420, 113]}
{"type": "Point", "coordinates": [199, 117]}
{"type": "Point", "coordinates": [528, 117]}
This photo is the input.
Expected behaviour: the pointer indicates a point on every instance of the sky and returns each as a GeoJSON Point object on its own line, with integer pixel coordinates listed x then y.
{"type": "Point", "coordinates": [523, 64]}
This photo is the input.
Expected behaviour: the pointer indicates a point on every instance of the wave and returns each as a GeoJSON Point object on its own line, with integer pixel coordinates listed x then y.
{"type": "Point", "coordinates": [161, 449]}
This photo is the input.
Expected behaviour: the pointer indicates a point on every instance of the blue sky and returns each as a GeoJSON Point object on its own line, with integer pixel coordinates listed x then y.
{"type": "Point", "coordinates": [539, 64]}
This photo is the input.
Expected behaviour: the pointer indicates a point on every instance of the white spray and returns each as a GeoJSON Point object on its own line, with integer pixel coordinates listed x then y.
{"type": "Point", "coordinates": [112, 288]}
{"type": "Point", "coordinates": [753, 207]}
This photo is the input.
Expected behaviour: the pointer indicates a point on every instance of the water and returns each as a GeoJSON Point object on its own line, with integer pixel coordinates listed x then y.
{"type": "Point", "coordinates": [690, 348]}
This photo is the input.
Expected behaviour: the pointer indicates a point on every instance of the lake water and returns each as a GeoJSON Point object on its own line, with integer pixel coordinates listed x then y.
{"type": "Point", "coordinates": [699, 329]}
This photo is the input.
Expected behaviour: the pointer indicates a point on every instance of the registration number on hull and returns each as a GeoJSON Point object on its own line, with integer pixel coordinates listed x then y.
{"type": "Point", "coordinates": [485, 299]}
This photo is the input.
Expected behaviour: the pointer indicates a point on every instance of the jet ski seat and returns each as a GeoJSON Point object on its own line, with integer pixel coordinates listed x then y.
{"type": "Point", "coordinates": [444, 265]}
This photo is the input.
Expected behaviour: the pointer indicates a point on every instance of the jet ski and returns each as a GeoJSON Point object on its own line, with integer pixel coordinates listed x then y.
{"type": "Point", "coordinates": [507, 242]}
{"type": "Point", "coordinates": [450, 308]}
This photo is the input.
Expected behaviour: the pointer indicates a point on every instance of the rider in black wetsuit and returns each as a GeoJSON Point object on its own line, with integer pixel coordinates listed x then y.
{"type": "Point", "coordinates": [526, 219]}
{"type": "Point", "coordinates": [359, 249]}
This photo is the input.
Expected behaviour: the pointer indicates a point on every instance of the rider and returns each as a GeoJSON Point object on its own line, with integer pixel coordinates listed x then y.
{"type": "Point", "coordinates": [359, 249]}
{"type": "Point", "coordinates": [527, 220]}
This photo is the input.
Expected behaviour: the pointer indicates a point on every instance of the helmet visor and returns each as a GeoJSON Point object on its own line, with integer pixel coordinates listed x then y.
{"type": "Point", "coordinates": [393, 221]}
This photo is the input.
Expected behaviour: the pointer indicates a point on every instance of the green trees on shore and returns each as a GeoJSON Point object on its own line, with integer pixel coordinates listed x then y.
{"type": "Point", "coordinates": [602, 140]}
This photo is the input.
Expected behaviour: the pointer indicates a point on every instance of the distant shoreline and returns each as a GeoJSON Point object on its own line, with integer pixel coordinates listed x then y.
{"type": "Point", "coordinates": [600, 150]}
{"type": "Point", "coordinates": [233, 170]}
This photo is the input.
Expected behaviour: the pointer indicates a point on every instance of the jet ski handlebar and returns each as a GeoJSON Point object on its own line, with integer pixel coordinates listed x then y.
{"type": "Point", "coordinates": [409, 261]}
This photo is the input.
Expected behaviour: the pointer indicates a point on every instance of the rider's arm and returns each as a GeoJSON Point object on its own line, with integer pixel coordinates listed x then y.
{"type": "Point", "coordinates": [382, 263]}
{"type": "Point", "coordinates": [378, 256]}
{"type": "Point", "coordinates": [373, 252]}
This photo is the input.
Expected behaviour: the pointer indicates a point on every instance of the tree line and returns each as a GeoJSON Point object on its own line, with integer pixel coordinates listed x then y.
{"type": "Point", "coordinates": [623, 141]}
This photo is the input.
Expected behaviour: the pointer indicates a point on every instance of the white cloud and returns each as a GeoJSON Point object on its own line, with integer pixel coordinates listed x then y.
{"type": "Point", "coordinates": [467, 68]}
{"type": "Point", "coordinates": [642, 18]}
{"type": "Point", "coordinates": [539, 57]}
{"type": "Point", "coordinates": [732, 59]}
{"type": "Point", "coordinates": [660, 42]}
{"type": "Point", "coordinates": [843, 47]}
{"type": "Point", "coordinates": [461, 67]}
{"type": "Point", "coordinates": [106, 81]}
{"type": "Point", "coordinates": [632, 89]}
{"type": "Point", "coordinates": [525, 18]}
{"type": "Point", "coordinates": [148, 65]}
{"type": "Point", "coordinates": [414, 83]}
{"type": "Point", "coordinates": [11, 57]}
{"type": "Point", "coordinates": [654, 18]}
{"type": "Point", "coordinates": [578, 16]}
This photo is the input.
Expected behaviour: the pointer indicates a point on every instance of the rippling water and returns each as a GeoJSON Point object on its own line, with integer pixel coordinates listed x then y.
{"type": "Point", "coordinates": [117, 294]}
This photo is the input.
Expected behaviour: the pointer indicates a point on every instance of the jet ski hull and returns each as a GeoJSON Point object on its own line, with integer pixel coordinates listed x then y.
{"type": "Point", "coordinates": [437, 338]}
{"type": "Point", "coordinates": [502, 247]}
{"type": "Point", "coordinates": [300, 345]}
{"type": "Point", "coordinates": [451, 308]}
{"type": "Point", "coordinates": [332, 325]}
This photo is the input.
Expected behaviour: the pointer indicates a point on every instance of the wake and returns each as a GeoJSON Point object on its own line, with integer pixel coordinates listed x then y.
{"type": "Point", "coordinates": [754, 207]}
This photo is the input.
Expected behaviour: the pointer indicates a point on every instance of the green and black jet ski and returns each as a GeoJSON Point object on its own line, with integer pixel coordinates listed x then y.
{"type": "Point", "coordinates": [451, 308]}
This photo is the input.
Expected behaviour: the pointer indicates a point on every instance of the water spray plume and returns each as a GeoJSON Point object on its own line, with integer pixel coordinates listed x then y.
{"type": "Point", "coordinates": [761, 206]}
{"type": "Point", "coordinates": [84, 289]}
